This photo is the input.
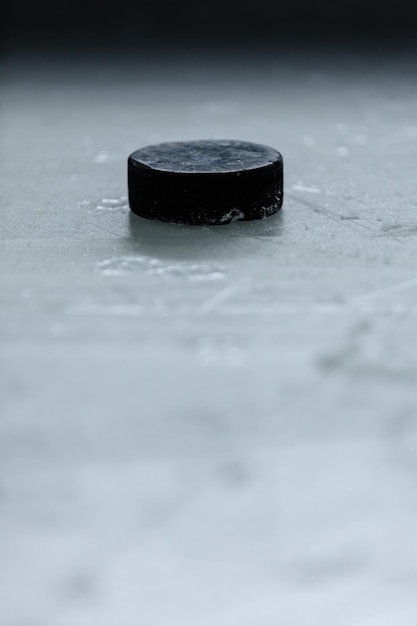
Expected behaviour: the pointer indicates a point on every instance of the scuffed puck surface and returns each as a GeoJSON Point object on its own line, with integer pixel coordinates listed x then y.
{"type": "Point", "coordinates": [205, 182]}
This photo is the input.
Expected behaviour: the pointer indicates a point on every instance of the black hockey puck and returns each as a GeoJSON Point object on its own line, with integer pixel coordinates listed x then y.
{"type": "Point", "coordinates": [205, 182]}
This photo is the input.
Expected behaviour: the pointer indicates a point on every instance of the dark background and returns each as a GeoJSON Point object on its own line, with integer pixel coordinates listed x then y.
{"type": "Point", "coordinates": [96, 24]}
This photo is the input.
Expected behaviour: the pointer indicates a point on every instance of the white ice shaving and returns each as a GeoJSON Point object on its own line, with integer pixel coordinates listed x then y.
{"type": "Point", "coordinates": [127, 265]}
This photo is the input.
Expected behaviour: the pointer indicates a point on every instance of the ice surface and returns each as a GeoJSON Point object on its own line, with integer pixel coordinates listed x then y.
{"type": "Point", "coordinates": [230, 452]}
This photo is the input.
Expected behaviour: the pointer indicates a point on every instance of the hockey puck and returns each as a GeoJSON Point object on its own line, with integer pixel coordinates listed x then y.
{"type": "Point", "coordinates": [205, 182]}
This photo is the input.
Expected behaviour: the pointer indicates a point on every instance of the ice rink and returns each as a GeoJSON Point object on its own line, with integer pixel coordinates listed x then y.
{"type": "Point", "coordinates": [209, 426]}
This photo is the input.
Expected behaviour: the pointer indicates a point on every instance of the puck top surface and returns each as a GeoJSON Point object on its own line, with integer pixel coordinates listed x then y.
{"type": "Point", "coordinates": [204, 157]}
